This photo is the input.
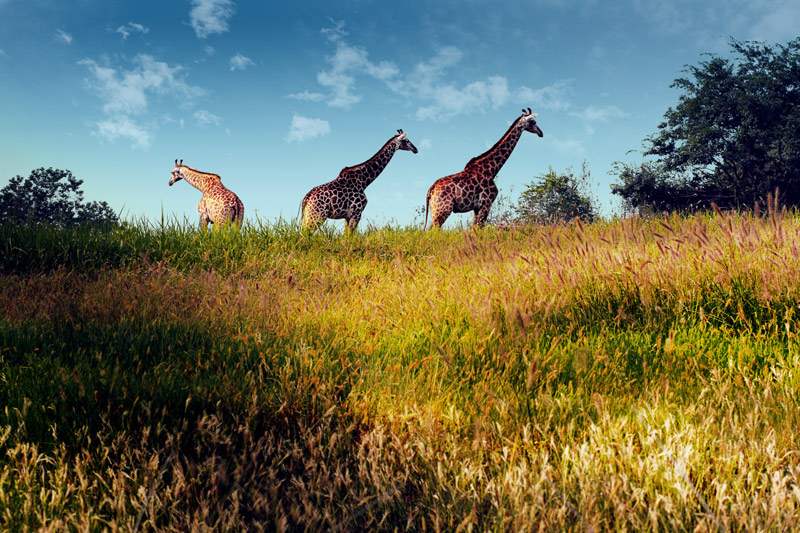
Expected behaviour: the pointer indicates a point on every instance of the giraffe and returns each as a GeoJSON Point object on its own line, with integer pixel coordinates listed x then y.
{"type": "Point", "coordinates": [218, 204]}
{"type": "Point", "coordinates": [344, 196]}
{"type": "Point", "coordinates": [474, 189]}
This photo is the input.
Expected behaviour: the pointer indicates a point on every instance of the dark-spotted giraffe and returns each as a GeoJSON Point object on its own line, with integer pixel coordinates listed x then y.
{"type": "Point", "coordinates": [218, 205]}
{"type": "Point", "coordinates": [344, 197]}
{"type": "Point", "coordinates": [473, 189]}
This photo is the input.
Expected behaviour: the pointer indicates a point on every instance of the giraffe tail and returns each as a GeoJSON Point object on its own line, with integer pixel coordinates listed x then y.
{"type": "Point", "coordinates": [427, 202]}
{"type": "Point", "coordinates": [238, 212]}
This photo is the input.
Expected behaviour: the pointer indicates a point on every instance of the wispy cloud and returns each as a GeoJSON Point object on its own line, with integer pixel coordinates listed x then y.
{"type": "Point", "coordinates": [775, 22]}
{"type": "Point", "coordinates": [206, 118]}
{"type": "Point", "coordinates": [304, 128]}
{"type": "Point", "coordinates": [565, 146]}
{"type": "Point", "coordinates": [240, 62]}
{"type": "Point", "coordinates": [347, 62]}
{"type": "Point", "coordinates": [124, 127]}
{"type": "Point", "coordinates": [125, 95]}
{"type": "Point", "coordinates": [63, 37]}
{"type": "Point", "coordinates": [448, 101]}
{"type": "Point", "coordinates": [592, 115]}
{"type": "Point", "coordinates": [2, 52]}
{"type": "Point", "coordinates": [209, 17]}
{"type": "Point", "coordinates": [553, 97]}
{"type": "Point", "coordinates": [427, 84]}
{"type": "Point", "coordinates": [307, 96]}
{"type": "Point", "coordinates": [132, 27]}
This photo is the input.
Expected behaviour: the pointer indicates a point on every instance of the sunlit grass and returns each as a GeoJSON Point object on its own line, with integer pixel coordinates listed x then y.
{"type": "Point", "coordinates": [632, 374]}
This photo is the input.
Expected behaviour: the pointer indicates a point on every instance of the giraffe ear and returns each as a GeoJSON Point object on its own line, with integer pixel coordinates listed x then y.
{"type": "Point", "coordinates": [534, 115]}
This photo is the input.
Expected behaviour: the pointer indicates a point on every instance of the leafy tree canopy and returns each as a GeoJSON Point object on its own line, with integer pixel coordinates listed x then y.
{"type": "Point", "coordinates": [556, 197]}
{"type": "Point", "coordinates": [733, 138]}
{"type": "Point", "coordinates": [51, 196]}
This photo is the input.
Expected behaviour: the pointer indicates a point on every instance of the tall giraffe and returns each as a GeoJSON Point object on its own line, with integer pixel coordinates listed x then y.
{"type": "Point", "coordinates": [218, 204]}
{"type": "Point", "coordinates": [344, 197]}
{"type": "Point", "coordinates": [474, 189]}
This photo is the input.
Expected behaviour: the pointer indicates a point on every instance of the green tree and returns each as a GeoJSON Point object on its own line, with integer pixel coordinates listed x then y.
{"type": "Point", "coordinates": [648, 188]}
{"type": "Point", "coordinates": [557, 197]}
{"type": "Point", "coordinates": [733, 137]}
{"type": "Point", "coordinates": [51, 196]}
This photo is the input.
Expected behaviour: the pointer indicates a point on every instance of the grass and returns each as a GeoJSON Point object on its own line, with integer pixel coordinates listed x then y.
{"type": "Point", "coordinates": [624, 375]}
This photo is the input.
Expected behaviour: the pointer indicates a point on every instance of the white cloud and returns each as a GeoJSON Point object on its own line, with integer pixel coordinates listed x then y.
{"type": "Point", "coordinates": [127, 91]}
{"type": "Point", "coordinates": [553, 97]}
{"type": "Point", "coordinates": [306, 96]}
{"type": "Point", "coordinates": [449, 101]}
{"type": "Point", "coordinates": [63, 37]}
{"type": "Point", "coordinates": [208, 17]}
{"type": "Point", "coordinates": [131, 27]}
{"type": "Point", "coordinates": [240, 62]}
{"type": "Point", "coordinates": [347, 62]}
{"type": "Point", "coordinates": [594, 114]}
{"type": "Point", "coordinates": [125, 94]}
{"type": "Point", "coordinates": [209, 50]}
{"type": "Point", "coordinates": [426, 84]}
{"type": "Point", "coordinates": [304, 128]}
{"type": "Point", "coordinates": [206, 118]}
{"type": "Point", "coordinates": [122, 126]}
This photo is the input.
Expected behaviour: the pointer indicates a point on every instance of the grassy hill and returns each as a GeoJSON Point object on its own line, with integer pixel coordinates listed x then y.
{"type": "Point", "coordinates": [634, 374]}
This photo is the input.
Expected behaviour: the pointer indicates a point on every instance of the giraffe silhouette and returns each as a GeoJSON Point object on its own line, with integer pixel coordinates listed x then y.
{"type": "Point", "coordinates": [344, 197]}
{"type": "Point", "coordinates": [474, 189]}
{"type": "Point", "coordinates": [218, 204]}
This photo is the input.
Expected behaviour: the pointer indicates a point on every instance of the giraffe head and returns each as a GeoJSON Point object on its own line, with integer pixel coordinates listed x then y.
{"type": "Point", "coordinates": [528, 120]}
{"type": "Point", "coordinates": [403, 143]}
{"type": "Point", "coordinates": [177, 172]}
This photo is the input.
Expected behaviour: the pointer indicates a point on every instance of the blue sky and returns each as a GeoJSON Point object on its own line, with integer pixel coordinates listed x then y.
{"type": "Point", "coordinates": [277, 97]}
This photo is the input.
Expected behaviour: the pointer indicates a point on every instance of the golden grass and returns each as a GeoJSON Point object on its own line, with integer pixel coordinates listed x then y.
{"type": "Point", "coordinates": [625, 375]}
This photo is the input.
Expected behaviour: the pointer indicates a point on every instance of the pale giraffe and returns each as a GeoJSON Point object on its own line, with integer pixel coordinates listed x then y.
{"type": "Point", "coordinates": [344, 197]}
{"type": "Point", "coordinates": [218, 205]}
{"type": "Point", "coordinates": [474, 189]}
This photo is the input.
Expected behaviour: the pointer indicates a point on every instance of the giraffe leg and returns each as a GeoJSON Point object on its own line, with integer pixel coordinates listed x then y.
{"type": "Point", "coordinates": [313, 216]}
{"type": "Point", "coordinates": [311, 223]}
{"type": "Point", "coordinates": [441, 209]}
{"type": "Point", "coordinates": [352, 222]}
{"type": "Point", "coordinates": [439, 218]}
{"type": "Point", "coordinates": [481, 214]}
{"type": "Point", "coordinates": [205, 218]}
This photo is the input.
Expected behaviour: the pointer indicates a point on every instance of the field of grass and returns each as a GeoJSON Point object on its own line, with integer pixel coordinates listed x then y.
{"type": "Point", "coordinates": [625, 375]}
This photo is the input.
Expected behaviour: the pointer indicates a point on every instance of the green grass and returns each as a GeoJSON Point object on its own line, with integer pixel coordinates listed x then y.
{"type": "Point", "coordinates": [632, 374]}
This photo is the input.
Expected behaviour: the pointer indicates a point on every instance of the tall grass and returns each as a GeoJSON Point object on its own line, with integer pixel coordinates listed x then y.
{"type": "Point", "coordinates": [633, 374]}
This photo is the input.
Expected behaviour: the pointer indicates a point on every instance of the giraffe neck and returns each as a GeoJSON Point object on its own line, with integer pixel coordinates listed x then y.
{"type": "Point", "coordinates": [488, 164]}
{"type": "Point", "coordinates": [201, 181]}
{"type": "Point", "coordinates": [366, 172]}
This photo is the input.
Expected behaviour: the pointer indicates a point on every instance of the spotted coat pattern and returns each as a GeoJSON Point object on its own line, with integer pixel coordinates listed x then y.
{"type": "Point", "coordinates": [218, 205]}
{"type": "Point", "coordinates": [473, 189]}
{"type": "Point", "coordinates": [344, 197]}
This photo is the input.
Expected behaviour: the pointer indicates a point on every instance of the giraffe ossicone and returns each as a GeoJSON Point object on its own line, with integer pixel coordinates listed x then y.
{"type": "Point", "coordinates": [344, 197]}
{"type": "Point", "coordinates": [473, 189]}
{"type": "Point", "coordinates": [219, 205]}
